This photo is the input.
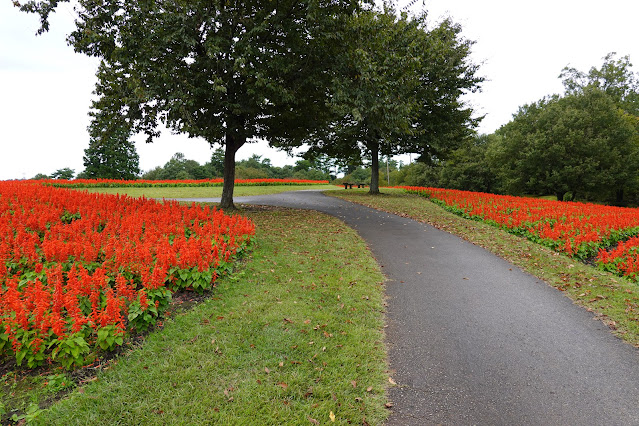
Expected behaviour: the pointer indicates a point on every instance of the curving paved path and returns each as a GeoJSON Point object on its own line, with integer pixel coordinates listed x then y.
{"type": "Point", "coordinates": [474, 340]}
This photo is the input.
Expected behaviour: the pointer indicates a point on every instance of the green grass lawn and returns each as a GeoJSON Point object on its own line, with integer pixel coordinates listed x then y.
{"type": "Point", "coordinates": [205, 192]}
{"type": "Point", "coordinates": [295, 335]}
{"type": "Point", "coordinates": [613, 299]}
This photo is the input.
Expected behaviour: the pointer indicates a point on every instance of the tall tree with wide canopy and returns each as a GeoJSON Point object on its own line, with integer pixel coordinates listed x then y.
{"type": "Point", "coordinates": [397, 90]}
{"type": "Point", "coordinates": [585, 142]}
{"type": "Point", "coordinates": [580, 143]}
{"type": "Point", "coordinates": [229, 72]}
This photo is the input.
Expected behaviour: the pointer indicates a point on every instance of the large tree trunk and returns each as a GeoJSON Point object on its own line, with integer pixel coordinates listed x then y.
{"type": "Point", "coordinates": [233, 143]}
{"type": "Point", "coordinates": [374, 186]}
{"type": "Point", "coordinates": [560, 195]}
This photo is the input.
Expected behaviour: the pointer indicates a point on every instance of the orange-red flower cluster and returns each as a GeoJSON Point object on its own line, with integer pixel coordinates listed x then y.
{"type": "Point", "coordinates": [581, 230]}
{"type": "Point", "coordinates": [622, 259]}
{"type": "Point", "coordinates": [72, 263]}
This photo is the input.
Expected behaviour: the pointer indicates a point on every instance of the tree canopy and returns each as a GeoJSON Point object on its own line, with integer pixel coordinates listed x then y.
{"type": "Point", "coordinates": [470, 167]}
{"type": "Point", "coordinates": [579, 143]}
{"type": "Point", "coordinates": [615, 78]}
{"type": "Point", "coordinates": [114, 158]}
{"type": "Point", "coordinates": [226, 72]}
{"type": "Point", "coordinates": [398, 90]}
{"type": "Point", "coordinates": [584, 142]}
{"type": "Point", "coordinates": [111, 154]}
{"type": "Point", "coordinates": [65, 173]}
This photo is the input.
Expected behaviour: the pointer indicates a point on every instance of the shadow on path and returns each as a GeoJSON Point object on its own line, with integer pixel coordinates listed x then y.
{"type": "Point", "coordinates": [474, 340]}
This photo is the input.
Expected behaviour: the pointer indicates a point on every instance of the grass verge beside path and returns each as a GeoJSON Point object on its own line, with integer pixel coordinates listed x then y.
{"type": "Point", "coordinates": [204, 192]}
{"type": "Point", "coordinates": [294, 336]}
{"type": "Point", "coordinates": [613, 299]}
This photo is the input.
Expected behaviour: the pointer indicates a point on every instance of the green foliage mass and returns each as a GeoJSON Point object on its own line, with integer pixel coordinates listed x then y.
{"type": "Point", "coordinates": [225, 72]}
{"type": "Point", "coordinates": [582, 145]}
{"type": "Point", "coordinates": [65, 173]}
{"type": "Point", "coordinates": [255, 167]}
{"type": "Point", "coordinates": [111, 157]}
{"type": "Point", "coordinates": [470, 167]}
{"type": "Point", "coordinates": [615, 78]}
{"type": "Point", "coordinates": [397, 90]}
{"type": "Point", "coordinates": [579, 143]}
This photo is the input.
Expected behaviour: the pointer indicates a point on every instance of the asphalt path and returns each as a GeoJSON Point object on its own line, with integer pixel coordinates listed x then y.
{"type": "Point", "coordinates": [474, 340]}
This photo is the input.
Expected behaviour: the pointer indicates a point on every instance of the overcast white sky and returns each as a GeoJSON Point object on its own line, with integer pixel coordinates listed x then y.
{"type": "Point", "coordinates": [46, 88]}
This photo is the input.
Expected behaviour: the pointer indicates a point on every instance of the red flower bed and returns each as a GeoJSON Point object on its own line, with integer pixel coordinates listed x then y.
{"type": "Point", "coordinates": [581, 230]}
{"type": "Point", "coordinates": [79, 270]}
{"type": "Point", "coordinates": [622, 259]}
{"type": "Point", "coordinates": [96, 183]}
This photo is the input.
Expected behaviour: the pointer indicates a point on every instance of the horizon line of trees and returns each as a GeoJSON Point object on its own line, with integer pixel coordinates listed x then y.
{"type": "Point", "coordinates": [181, 168]}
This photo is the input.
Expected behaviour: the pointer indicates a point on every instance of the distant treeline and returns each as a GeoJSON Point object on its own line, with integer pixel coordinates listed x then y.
{"type": "Point", "coordinates": [256, 167]}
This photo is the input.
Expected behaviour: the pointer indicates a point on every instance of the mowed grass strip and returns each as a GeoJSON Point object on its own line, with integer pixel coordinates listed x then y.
{"type": "Point", "coordinates": [204, 192]}
{"type": "Point", "coordinates": [613, 299]}
{"type": "Point", "coordinates": [295, 335]}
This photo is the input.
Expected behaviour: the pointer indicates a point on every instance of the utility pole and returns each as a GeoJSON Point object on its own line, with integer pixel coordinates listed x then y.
{"type": "Point", "coordinates": [387, 173]}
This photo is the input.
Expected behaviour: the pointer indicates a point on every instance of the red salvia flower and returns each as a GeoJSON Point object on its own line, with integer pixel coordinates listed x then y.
{"type": "Point", "coordinates": [88, 251]}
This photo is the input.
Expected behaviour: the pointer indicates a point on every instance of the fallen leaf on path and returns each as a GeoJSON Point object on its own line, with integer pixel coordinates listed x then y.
{"type": "Point", "coordinates": [391, 381]}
